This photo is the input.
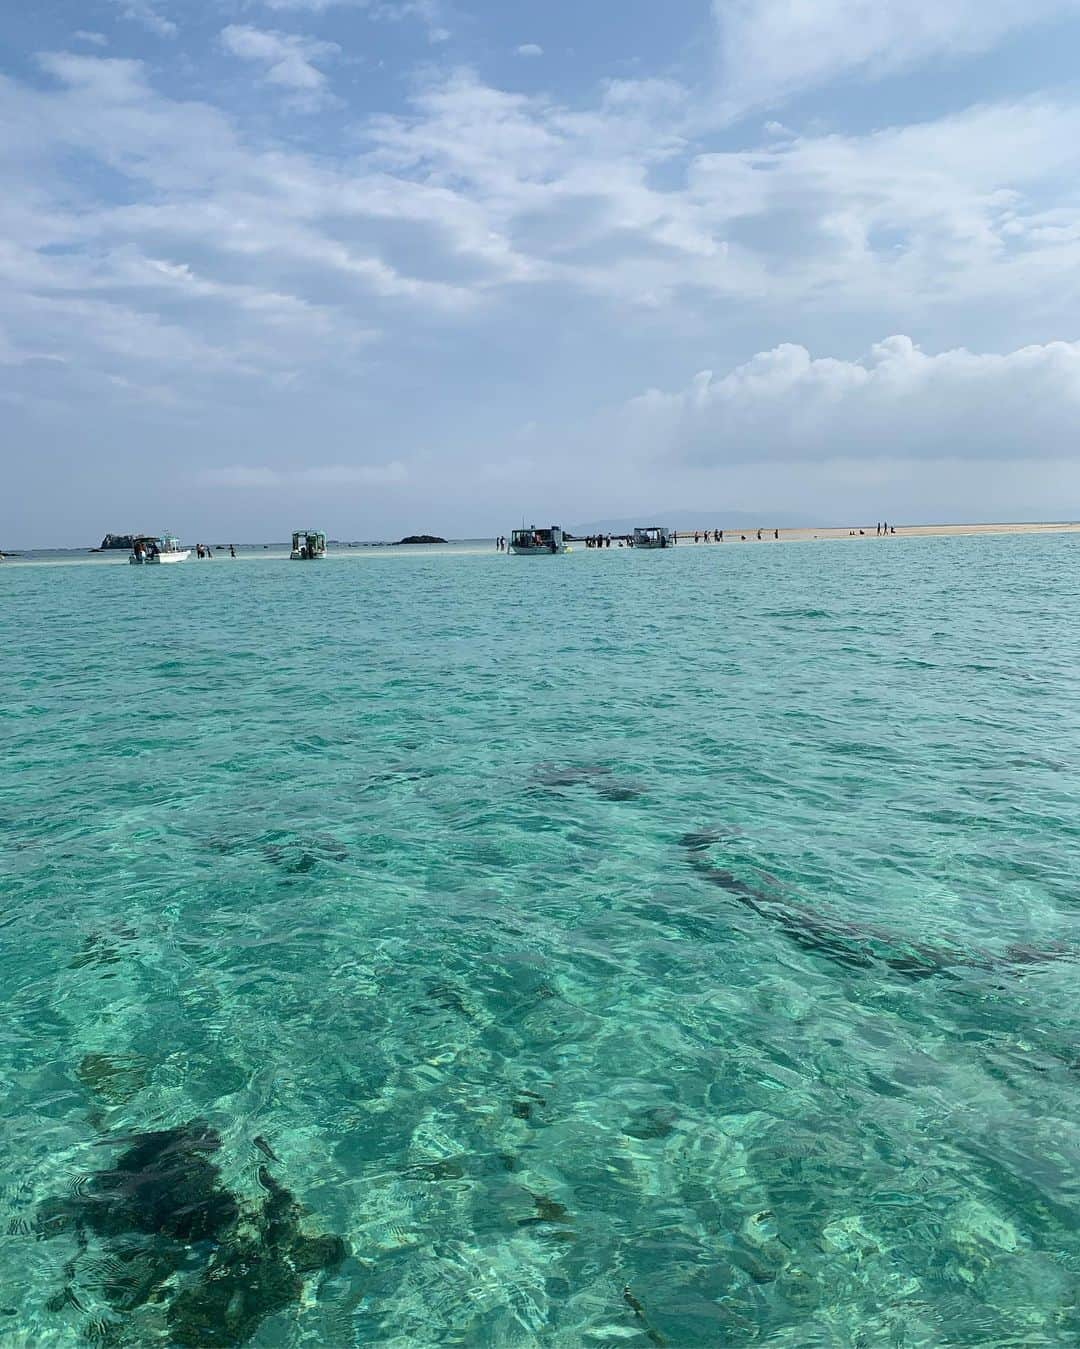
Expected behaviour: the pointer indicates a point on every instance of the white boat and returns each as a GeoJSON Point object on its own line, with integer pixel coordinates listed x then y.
{"type": "Point", "coordinates": [653, 536]}
{"type": "Point", "coordinates": [537, 540]}
{"type": "Point", "coordinates": [148, 551]}
{"type": "Point", "coordinates": [307, 545]}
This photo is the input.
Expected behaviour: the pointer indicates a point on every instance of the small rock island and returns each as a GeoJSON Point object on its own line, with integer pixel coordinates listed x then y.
{"type": "Point", "coordinates": [116, 541]}
{"type": "Point", "coordinates": [421, 538]}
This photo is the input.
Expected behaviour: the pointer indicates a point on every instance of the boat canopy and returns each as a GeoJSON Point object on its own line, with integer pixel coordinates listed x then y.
{"type": "Point", "coordinates": [536, 536]}
{"type": "Point", "coordinates": [166, 543]}
{"type": "Point", "coordinates": [308, 544]}
{"type": "Point", "coordinates": [654, 534]}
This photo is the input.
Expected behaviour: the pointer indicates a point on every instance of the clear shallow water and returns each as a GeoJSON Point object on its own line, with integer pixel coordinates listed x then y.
{"type": "Point", "coordinates": [614, 949]}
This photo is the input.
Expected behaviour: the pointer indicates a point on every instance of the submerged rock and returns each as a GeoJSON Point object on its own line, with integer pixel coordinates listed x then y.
{"type": "Point", "coordinates": [620, 791]}
{"type": "Point", "coordinates": [652, 1122]}
{"type": "Point", "coordinates": [102, 948]}
{"type": "Point", "coordinates": [252, 1277]}
{"type": "Point", "coordinates": [568, 775]}
{"type": "Point", "coordinates": [845, 944]}
{"type": "Point", "coordinates": [174, 1233]}
{"type": "Point", "coordinates": [114, 1079]}
{"type": "Point", "coordinates": [293, 853]}
{"type": "Point", "coordinates": [597, 776]}
{"type": "Point", "coordinates": [163, 1185]}
{"type": "Point", "coordinates": [851, 945]}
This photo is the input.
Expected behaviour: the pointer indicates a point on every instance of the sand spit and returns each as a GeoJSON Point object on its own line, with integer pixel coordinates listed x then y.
{"type": "Point", "coordinates": [850, 533]}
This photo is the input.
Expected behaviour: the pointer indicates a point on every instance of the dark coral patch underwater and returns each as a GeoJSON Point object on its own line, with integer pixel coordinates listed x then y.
{"type": "Point", "coordinates": [174, 1235]}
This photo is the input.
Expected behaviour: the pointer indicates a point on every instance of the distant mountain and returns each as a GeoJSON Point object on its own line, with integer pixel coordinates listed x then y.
{"type": "Point", "coordinates": [704, 519]}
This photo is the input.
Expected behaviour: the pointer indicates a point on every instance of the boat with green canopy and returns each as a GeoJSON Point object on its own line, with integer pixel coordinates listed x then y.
{"type": "Point", "coordinates": [307, 545]}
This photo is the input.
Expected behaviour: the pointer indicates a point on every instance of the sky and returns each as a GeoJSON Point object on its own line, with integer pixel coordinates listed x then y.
{"type": "Point", "coordinates": [390, 266]}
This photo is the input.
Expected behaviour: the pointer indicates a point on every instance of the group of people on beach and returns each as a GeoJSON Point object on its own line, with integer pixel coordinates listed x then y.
{"type": "Point", "coordinates": [204, 550]}
{"type": "Point", "coordinates": [717, 536]}
{"type": "Point", "coordinates": [882, 530]}
{"type": "Point", "coordinates": [625, 541]}
{"type": "Point", "coordinates": [699, 536]}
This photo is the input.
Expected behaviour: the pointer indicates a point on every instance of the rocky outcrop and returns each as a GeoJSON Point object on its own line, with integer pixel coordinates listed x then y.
{"type": "Point", "coordinates": [422, 538]}
{"type": "Point", "coordinates": [117, 541]}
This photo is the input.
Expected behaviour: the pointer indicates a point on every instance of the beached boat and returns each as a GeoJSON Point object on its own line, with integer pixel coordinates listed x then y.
{"type": "Point", "coordinates": [652, 536]}
{"type": "Point", "coordinates": [308, 545]}
{"type": "Point", "coordinates": [147, 551]}
{"type": "Point", "coordinates": [537, 539]}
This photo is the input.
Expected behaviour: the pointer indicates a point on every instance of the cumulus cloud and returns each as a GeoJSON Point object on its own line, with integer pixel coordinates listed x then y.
{"type": "Point", "coordinates": [530, 49]}
{"type": "Point", "coordinates": [110, 79]}
{"type": "Point", "coordinates": [145, 13]}
{"type": "Point", "coordinates": [772, 49]}
{"type": "Point", "coordinates": [897, 402]}
{"type": "Point", "coordinates": [287, 59]}
{"type": "Point", "coordinates": [331, 475]}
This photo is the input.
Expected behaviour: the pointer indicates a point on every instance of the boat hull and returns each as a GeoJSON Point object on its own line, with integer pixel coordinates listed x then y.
{"type": "Point", "coordinates": [317, 557]}
{"type": "Point", "coordinates": [538, 552]}
{"type": "Point", "coordinates": [161, 559]}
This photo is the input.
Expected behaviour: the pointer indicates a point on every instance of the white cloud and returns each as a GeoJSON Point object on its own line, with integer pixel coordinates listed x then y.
{"type": "Point", "coordinates": [916, 217]}
{"type": "Point", "coordinates": [331, 475]}
{"type": "Point", "coordinates": [772, 49]}
{"type": "Point", "coordinates": [229, 255]}
{"type": "Point", "coordinates": [110, 79]}
{"type": "Point", "coordinates": [921, 216]}
{"type": "Point", "coordinates": [287, 59]}
{"type": "Point", "coordinates": [896, 403]}
{"type": "Point", "coordinates": [530, 49]}
{"type": "Point", "coordinates": [506, 189]}
{"type": "Point", "coordinates": [94, 39]}
{"type": "Point", "coordinates": [145, 13]}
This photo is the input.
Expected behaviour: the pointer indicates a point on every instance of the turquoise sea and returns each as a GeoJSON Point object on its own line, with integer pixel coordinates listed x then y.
{"type": "Point", "coordinates": [618, 949]}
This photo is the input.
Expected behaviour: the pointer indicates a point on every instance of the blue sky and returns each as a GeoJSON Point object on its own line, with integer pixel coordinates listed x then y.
{"type": "Point", "coordinates": [391, 265]}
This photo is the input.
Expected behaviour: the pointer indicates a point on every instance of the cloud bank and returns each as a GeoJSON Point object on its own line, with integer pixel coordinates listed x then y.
{"type": "Point", "coordinates": [896, 403]}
